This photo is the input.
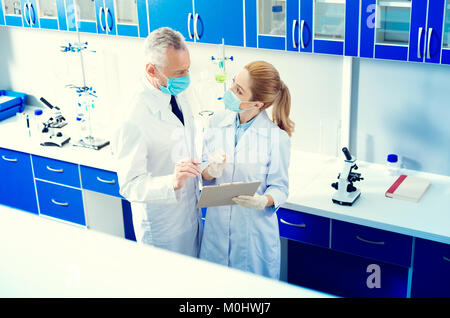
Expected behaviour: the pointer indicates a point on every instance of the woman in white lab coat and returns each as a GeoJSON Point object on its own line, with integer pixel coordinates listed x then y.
{"type": "Point", "coordinates": [243, 144]}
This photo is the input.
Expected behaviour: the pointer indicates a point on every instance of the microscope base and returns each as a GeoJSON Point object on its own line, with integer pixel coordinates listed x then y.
{"type": "Point", "coordinates": [347, 199]}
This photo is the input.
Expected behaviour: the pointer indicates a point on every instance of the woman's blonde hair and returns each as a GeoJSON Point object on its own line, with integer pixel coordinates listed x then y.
{"type": "Point", "coordinates": [267, 87]}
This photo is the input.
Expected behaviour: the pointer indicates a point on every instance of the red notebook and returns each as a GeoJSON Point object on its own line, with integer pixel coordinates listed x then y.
{"type": "Point", "coordinates": [408, 188]}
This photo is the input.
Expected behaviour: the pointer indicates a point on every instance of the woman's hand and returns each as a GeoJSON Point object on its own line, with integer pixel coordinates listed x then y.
{"type": "Point", "coordinates": [258, 202]}
{"type": "Point", "coordinates": [217, 161]}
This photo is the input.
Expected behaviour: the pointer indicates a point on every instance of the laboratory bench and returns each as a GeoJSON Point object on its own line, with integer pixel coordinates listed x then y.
{"type": "Point", "coordinates": [379, 247]}
{"type": "Point", "coordinates": [45, 259]}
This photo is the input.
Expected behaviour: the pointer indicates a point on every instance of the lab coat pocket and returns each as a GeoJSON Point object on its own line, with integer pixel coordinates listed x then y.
{"type": "Point", "coordinates": [264, 239]}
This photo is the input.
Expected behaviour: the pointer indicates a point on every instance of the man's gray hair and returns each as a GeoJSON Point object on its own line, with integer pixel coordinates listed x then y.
{"type": "Point", "coordinates": [158, 41]}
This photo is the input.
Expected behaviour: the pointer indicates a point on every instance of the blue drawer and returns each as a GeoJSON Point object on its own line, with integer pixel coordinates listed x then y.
{"type": "Point", "coordinates": [60, 202]}
{"type": "Point", "coordinates": [304, 227]}
{"type": "Point", "coordinates": [56, 171]}
{"type": "Point", "coordinates": [16, 181]}
{"type": "Point", "coordinates": [371, 243]}
{"type": "Point", "coordinates": [100, 181]}
{"type": "Point", "coordinates": [431, 269]}
{"type": "Point", "coordinates": [344, 274]}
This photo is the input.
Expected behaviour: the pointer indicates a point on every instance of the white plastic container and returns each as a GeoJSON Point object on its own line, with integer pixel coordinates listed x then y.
{"type": "Point", "coordinates": [393, 164]}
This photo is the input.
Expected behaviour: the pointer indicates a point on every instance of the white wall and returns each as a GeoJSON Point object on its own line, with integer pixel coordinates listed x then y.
{"type": "Point", "coordinates": [402, 108]}
{"type": "Point", "coordinates": [30, 61]}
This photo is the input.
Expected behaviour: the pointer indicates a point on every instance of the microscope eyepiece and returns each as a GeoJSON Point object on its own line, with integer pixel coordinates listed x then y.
{"type": "Point", "coordinates": [347, 154]}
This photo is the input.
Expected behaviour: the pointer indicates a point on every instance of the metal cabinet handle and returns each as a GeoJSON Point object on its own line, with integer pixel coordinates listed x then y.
{"type": "Point", "coordinates": [367, 241]}
{"type": "Point", "coordinates": [428, 44]}
{"type": "Point", "coordinates": [10, 160]}
{"type": "Point", "coordinates": [106, 181]}
{"type": "Point", "coordinates": [195, 27]}
{"type": "Point", "coordinates": [446, 258]}
{"type": "Point", "coordinates": [189, 25]}
{"type": "Point", "coordinates": [55, 170]}
{"type": "Point", "coordinates": [292, 224]}
{"type": "Point", "coordinates": [108, 12]}
{"type": "Point", "coordinates": [60, 203]}
{"type": "Point", "coordinates": [25, 12]}
{"type": "Point", "coordinates": [302, 26]}
{"type": "Point", "coordinates": [32, 21]}
{"type": "Point", "coordinates": [100, 10]}
{"type": "Point", "coordinates": [419, 37]}
{"type": "Point", "coordinates": [294, 44]}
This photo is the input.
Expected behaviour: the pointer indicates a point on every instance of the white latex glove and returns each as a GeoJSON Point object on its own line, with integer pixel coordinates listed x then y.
{"type": "Point", "coordinates": [217, 161]}
{"type": "Point", "coordinates": [257, 201]}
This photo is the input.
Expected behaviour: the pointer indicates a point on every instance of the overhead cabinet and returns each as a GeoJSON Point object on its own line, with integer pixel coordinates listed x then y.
{"type": "Point", "coordinates": [112, 17]}
{"type": "Point", "coordinates": [44, 14]}
{"type": "Point", "coordinates": [201, 21]}
{"type": "Point", "coordinates": [404, 30]}
{"type": "Point", "coordinates": [319, 26]}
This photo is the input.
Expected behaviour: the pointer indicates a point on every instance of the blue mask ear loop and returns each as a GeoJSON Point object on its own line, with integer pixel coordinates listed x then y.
{"type": "Point", "coordinates": [157, 68]}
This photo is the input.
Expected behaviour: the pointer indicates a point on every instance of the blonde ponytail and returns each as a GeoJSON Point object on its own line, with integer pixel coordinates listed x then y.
{"type": "Point", "coordinates": [267, 87]}
{"type": "Point", "coordinates": [282, 108]}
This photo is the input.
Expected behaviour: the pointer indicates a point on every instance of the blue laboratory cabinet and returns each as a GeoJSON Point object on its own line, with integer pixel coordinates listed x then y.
{"type": "Point", "coordinates": [17, 186]}
{"type": "Point", "coordinates": [82, 16]}
{"type": "Point", "coordinates": [352, 260]}
{"type": "Point", "coordinates": [44, 14]}
{"type": "Point", "coordinates": [446, 40]}
{"type": "Point", "coordinates": [201, 21]}
{"type": "Point", "coordinates": [111, 17]}
{"type": "Point", "coordinates": [431, 271]}
{"type": "Point", "coordinates": [319, 26]}
{"type": "Point", "coordinates": [2, 16]}
{"type": "Point", "coordinates": [404, 30]}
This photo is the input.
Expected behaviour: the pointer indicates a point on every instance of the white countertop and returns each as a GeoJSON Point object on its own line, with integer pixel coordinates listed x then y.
{"type": "Point", "coordinates": [43, 258]}
{"type": "Point", "coordinates": [22, 142]}
{"type": "Point", "coordinates": [311, 176]}
{"type": "Point", "coordinates": [428, 219]}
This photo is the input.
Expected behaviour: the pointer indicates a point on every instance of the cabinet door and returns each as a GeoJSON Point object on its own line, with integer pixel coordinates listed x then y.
{"type": "Point", "coordinates": [17, 186]}
{"type": "Point", "coordinates": [392, 27]}
{"type": "Point", "coordinates": [176, 14]}
{"type": "Point", "coordinates": [48, 14]}
{"type": "Point", "coordinates": [343, 274]}
{"type": "Point", "coordinates": [446, 41]}
{"type": "Point", "coordinates": [110, 17]}
{"type": "Point", "coordinates": [431, 269]}
{"type": "Point", "coordinates": [214, 20]}
{"type": "Point", "coordinates": [12, 9]}
{"type": "Point", "coordinates": [265, 23]}
{"type": "Point", "coordinates": [100, 10]}
{"type": "Point", "coordinates": [434, 31]}
{"type": "Point", "coordinates": [271, 24]}
{"type": "Point", "coordinates": [2, 16]}
{"type": "Point", "coordinates": [81, 15]}
{"type": "Point", "coordinates": [351, 28]}
{"type": "Point", "coordinates": [131, 17]}
{"type": "Point", "coordinates": [329, 26]}
{"type": "Point", "coordinates": [30, 14]}
{"type": "Point", "coordinates": [306, 26]}
{"type": "Point", "coordinates": [292, 26]}
{"type": "Point", "coordinates": [367, 32]}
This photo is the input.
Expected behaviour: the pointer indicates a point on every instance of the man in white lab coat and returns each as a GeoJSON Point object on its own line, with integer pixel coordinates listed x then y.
{"type": "Point", "coordinates": [155, 151]}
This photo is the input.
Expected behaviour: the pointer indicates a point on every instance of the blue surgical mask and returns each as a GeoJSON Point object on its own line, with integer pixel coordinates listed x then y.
{"type": "Point", "coordinates": [232, 102]}
{"type": "Point", "coordinates": [175, 85]}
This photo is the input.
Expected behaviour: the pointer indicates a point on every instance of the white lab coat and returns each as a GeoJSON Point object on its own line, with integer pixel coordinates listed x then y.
{"type": "Point", "coordinates": [148, 143]}
{"type": "Point", "coordinates": [247, 239]}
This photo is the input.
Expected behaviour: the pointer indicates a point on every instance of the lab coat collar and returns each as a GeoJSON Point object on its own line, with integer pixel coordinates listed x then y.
{"type": "Point", "coordinates": [261, 126]}
{"type": "Point", "coordinates": [160, 103]}
{"type": "Point", "coordinates": [261, 120]}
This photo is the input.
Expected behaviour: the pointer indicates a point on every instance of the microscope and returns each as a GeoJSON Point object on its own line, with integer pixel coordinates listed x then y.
{"type": "Point", "coordinates": [55, 122]}
{"type": "Point", "coordinates": [347, 193]}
